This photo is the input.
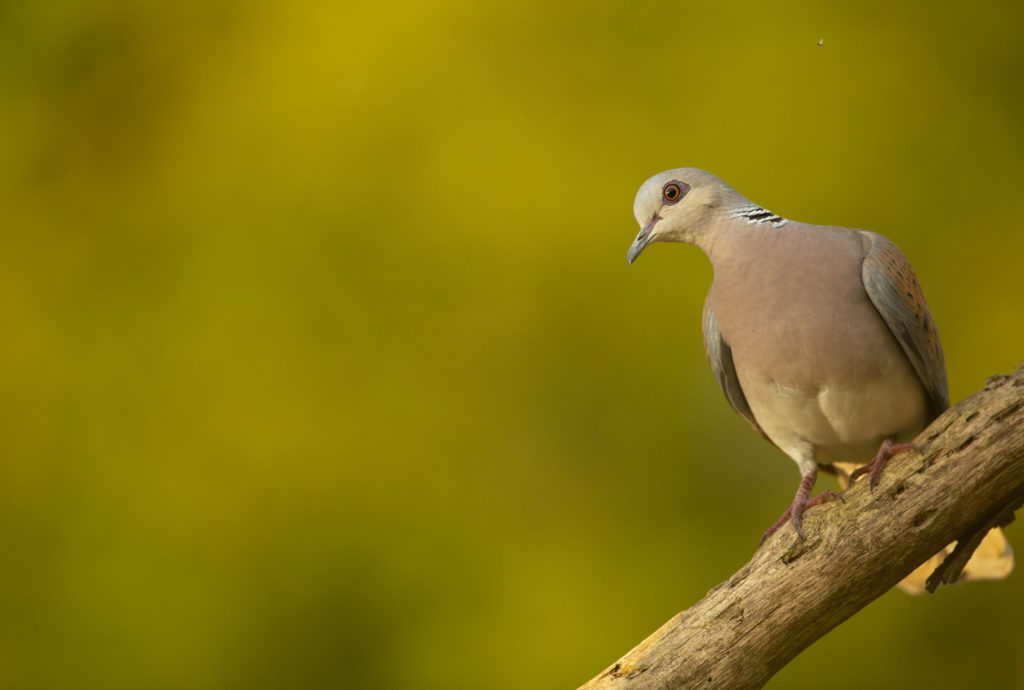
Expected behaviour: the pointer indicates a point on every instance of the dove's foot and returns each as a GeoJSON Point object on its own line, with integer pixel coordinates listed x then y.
{"type": "Point", "coordinates": [801, 502]}
{"type": "Point", "coordinates": [881, 459]}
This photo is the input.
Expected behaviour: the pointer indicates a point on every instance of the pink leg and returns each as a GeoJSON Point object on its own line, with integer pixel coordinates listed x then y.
{"type": "Point", "coordinates": [801, 502]}
{"type": "Point", "coordinates": [882, 457]}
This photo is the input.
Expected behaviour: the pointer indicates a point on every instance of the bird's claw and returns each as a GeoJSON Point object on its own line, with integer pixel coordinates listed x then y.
{"type": "Point", "coordinates": [885, 453]}
{"type": "Point", "coordinates": [795, 514]}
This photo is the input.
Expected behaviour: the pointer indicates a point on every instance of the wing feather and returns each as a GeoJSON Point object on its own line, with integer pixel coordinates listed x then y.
{"type": "Point", "coordinates": [893, 288]}
{"type": "Point", "coordinates": [720, 358]}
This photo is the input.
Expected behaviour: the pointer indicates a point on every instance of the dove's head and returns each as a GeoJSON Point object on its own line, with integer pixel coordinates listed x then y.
{"type": "Point", "coordinates": [680, 206]}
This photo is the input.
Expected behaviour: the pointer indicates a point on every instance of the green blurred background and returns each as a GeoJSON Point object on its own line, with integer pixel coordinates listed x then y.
{"type": "Point", "coordinates": [322, 365]}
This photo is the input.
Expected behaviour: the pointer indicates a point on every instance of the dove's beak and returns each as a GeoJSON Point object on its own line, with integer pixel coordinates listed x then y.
{"type": "Point", "coordinates": [642, 240]}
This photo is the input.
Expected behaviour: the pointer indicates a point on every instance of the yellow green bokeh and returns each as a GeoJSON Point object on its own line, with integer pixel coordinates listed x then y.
{"type": "Point", "coordinates": [322, 365]}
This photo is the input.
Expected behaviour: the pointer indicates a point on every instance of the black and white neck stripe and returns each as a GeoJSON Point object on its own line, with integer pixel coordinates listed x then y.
{"type": "Point", "coordinates": [756, 214]}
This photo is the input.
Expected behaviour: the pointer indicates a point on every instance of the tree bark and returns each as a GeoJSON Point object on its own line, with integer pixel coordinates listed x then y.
{"type": "Point", "coordinates": [967, 477]}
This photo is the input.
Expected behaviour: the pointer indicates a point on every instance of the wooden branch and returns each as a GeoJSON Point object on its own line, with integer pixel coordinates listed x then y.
{"type": "Point", "coordinates": [968, 477]}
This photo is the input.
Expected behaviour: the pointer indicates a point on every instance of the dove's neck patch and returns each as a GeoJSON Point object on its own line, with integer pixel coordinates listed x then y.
{"type": "Point", "coordinates": [756, 214]}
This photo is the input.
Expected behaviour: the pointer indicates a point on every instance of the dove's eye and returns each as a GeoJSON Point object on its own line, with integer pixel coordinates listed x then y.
{"type": "Point", "coordinates": [673, 192]}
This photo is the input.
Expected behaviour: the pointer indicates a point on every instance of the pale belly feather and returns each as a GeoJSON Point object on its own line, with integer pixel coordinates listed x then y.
{"type": "Point", "coordinates": [842, 422]}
